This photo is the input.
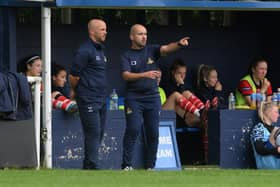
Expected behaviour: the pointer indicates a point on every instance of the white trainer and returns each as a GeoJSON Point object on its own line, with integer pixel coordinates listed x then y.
{"type": "Point", "coordinates": [128, 168]}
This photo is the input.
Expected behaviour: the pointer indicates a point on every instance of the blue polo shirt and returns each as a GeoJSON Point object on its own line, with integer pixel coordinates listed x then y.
{"type": "Point", "coordinates": [90, 65]}
{"type": "Point", "coordinates": [138, 61]}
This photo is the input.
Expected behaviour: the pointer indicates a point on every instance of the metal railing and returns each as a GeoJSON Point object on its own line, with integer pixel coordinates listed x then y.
{"type": "Point", "coordinates": [37, 114]}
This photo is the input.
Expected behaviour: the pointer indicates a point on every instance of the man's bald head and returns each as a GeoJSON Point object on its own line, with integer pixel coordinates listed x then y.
{"type": "Point", "coordinates": [97, 30]}
{"type": "Point", "coordinates": [135, 28]}
{"type": "Point", "coordinates": [138, 36]}
{"type": "Point", "coordinates": [93, 23]}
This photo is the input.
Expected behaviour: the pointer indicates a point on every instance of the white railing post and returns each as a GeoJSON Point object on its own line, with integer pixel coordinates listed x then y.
{"type": "Point", "coordinates": [37, 114]}
{"type": "Point", "coordinates": [46, 73]}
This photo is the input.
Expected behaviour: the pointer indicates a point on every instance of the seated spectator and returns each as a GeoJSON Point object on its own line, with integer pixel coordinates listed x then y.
{"type": "Point", "coordinates": [60, 94]}
{"type": "Point", "coordinates": [32, 66]}
{"type": "Point", "coordinates": [180, 98]}
{"type": "Point", "coordinates": [209, 87]}
{"type": "Point", "coordinates": [256, 79]}
{"type": "Point", "coordinates": [172, 103]}
{"type": "Point", "coordinates": [189, 107]}
{"type": "Point", "coordinates": [267, 153]}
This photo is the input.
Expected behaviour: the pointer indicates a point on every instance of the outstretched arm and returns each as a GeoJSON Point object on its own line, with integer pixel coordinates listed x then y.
{"type": "Point", "coordinates": [171, 47]}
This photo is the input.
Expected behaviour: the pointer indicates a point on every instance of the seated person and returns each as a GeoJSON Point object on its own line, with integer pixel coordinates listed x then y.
{"type": "Point", "coordinates": [189, 107]}
{"type": "Point", "coordinates": [181, 99]}
{"type": "Point", "coordinates": [263, 133]}
{"type": "Point", "coordinates": [173, 103]}
{"type": "Point", "coordinates": [209, 87]}
{"type": "Point", "coordinates": [60, 93]}
{"type": "Point", "coordinates": [250, 83]}
{"type": "Point", "coordinates": [31, 66]}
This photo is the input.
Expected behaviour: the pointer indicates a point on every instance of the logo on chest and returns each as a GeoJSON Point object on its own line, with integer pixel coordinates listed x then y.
{"type": "Point", "coordinates": [98, 58]}
{"type": "Point", "coordinates": [150, 61]}
{"type": "Point", "coordinates": [133, 63]}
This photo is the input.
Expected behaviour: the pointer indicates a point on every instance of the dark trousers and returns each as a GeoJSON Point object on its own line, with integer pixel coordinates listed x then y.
{"type": "Point", "coordinates": [93, 118]}
{"type": "Point", "coordinates": [141, 112]}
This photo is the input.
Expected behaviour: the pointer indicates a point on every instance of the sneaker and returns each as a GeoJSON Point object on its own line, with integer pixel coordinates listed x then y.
{"type": "Point", "coordinates": [150, 169]}
{"type": "Point", "coordinates": [72, 107]}
{"type": "Point", "coordinates": [197, 113]}
{"type": "Point", "coordinates": [128, 168]}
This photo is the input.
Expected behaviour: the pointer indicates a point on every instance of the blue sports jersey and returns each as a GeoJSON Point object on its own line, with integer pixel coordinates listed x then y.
{"type": "Point", "coordinates": [90, 65]}
{"type": "Point", "coordinates": [139, 61]}
{"type": "Point", "coordinates": [261, 132]}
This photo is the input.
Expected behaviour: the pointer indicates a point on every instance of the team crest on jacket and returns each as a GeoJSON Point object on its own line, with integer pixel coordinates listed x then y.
{"type": "Point", "coordinates": [128, 110]}
{"type": "Point", "coordinates": [150, 61]}
{"type": "Point", "coordinates": [133, 62]}
{"type": "Point", "coordinates": [97, 58]}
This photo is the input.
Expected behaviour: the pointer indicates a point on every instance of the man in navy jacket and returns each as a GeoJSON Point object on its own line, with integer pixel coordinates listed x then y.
{"type": "Point", "coordinates": [88, 79]}
{"type": "Point", "coordinates": [142, 103]}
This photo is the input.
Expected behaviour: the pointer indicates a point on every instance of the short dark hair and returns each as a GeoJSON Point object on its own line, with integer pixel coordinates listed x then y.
{"type": "Point", "coordinates": [178, 62]}
{"type": "Point", "coordinates": [256, 62]}
{"type": "Point", "coordinates": [56, 69]}
{"type": "Point", "coordinates": [22, 64]}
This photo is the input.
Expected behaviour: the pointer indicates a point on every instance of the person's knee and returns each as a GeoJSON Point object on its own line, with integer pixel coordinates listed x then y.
{"type": "Point", "coordinates": [187, 94]}
{"type": "Point", "coordinates": [176, 94]}
{"type": "Point", "coordinates": [132, 131]}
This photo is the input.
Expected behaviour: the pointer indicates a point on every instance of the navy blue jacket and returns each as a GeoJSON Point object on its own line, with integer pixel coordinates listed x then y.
{"type": "Point", "coordinates": [208, 93]}
{"type": "Point", "coordinates": [90, 65]}
{"type": "Point", "coordinates": [15, 97]}
{"type": "Point", "coordinates": [138, 61]}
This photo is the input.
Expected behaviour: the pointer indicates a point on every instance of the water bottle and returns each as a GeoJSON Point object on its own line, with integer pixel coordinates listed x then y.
{"type": "Point", "coordinates": [114, 100]}
{"type": "Point", "coordinates": [275, 98]}
{"type": "Point", "coordinates": [254, 101]}
{"type": "Point", "coordinates": [231, 101]}
{"type": "Point", "coordinates": [258, 98]}
{"type": "Point", "coordinates": [278, 95]}
{"type": "Point", "coordinates": [263, 97]}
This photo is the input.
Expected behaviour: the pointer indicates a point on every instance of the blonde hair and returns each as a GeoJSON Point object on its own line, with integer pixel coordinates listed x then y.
{"type": "Point", "coordinates": [264, 107]}
{"type": "Point", "coordinates": [203, 73]}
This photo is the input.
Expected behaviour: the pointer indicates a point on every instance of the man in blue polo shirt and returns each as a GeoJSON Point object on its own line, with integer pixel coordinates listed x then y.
{"type": "Point", "coordinates": [88, 79]}
{"type": "Point", "coordinates": [142, 102]}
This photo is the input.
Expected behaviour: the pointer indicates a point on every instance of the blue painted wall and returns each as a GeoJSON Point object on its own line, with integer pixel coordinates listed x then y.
{"type": "Point", "coordinates": [7, 40]}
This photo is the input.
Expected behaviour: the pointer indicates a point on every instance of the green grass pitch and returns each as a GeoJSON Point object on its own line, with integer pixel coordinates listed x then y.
{"type": "Point", "coordinates": [139, 178]}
